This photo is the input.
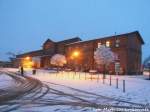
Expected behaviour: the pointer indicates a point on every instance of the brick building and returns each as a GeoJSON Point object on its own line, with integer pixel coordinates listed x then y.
{"type": "Point", "coordinates": [127, 46]}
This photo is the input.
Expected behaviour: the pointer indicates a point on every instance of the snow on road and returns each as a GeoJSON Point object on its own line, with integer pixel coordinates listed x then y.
{"type": "Point", "coordinates": [5, 81]}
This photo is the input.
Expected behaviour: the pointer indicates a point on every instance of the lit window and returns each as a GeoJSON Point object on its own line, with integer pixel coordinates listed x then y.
{"type": "Point", "coordinates": [99, 44]}
{"type": "Point", "coordinates": [117, 43]}
{"type": "Point", "coordinates": [107, 44]}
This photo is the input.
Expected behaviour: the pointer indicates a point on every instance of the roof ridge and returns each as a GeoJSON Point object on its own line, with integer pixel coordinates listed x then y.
{"type": "Point", "coordinates": [69, 39]}
{"type": "Point", "coordinates": [106, 37]}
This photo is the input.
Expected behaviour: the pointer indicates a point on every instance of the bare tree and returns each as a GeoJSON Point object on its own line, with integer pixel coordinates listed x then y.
{"type": "Point", "coordinates": [11, 55]}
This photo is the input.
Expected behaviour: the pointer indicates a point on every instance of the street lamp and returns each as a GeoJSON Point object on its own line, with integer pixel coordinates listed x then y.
{"type": "Point", "coordinates": [27, 58]}
{"type": "Point", "coordinates": [75, 55]}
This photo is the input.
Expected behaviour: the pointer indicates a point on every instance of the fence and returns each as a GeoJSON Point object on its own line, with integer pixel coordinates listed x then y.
{"type": "Point", "coordinates": [110, 80]}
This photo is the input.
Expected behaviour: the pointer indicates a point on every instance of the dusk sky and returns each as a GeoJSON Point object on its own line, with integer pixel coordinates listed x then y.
{"type": "Point", "coordinates": [26, 24]}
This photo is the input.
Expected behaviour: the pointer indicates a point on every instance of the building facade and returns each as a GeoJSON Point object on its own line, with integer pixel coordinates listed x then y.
{"type": "Point", "coordinates": [6, 64]}
{"type": "Point", "coordinates": [128, 48]}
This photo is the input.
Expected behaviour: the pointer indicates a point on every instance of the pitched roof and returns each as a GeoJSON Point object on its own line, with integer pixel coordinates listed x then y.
{"type": "Point", "coordinates": [108, 37]}
{"type": "Point", "coordinates": [48, 40]}
{"type": "Point", "coordinates": [32, 53]}
{"type": "Point", "coordinates": [77, 40]}
{"type": "Point", "coordinates": [140, 37]}
{"type": "Point", "coordinates": [67, 41]}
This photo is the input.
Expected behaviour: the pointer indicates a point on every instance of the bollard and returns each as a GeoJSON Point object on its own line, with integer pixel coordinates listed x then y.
{"type": "Point", "coordinates": [79, 75]}
{"type": "Point", "coordinates": [63, 74]}
{"type": "Point", "coordinates": [56, 74]}
{"type": "Point", "coordinates": [68, 74]}
{"type": "Point", "coordinates": [103, 80]}
{"type": "Point", "coordinates": [73, 75]}
{"type": "Point", "coordinates": [124, 90]}
{"type": "Point", "coordinates": [110, 81]}
{"type": "Point", "coordinates": [91, 76]}
{"type": "Point", "coordinates": [98, 78]}
{"type": "Point", "coordinates": [117, 83]}
{"type": "Point", "coordinates": [33, 71]}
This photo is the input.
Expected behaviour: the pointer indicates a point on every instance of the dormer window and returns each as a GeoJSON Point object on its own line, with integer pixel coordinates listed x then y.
{"type": "Point", "coordinates": [107, 43]}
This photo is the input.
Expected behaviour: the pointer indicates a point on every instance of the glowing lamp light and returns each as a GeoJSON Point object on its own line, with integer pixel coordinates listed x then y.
{"type": "Point", "coordinates": [64, 61]}
{"type": "Point", "coordinates": [76, 54]}
{"type": "Point", "coordinates": [27, 62]}
{"type": "Point", "coordinates": [27, 58]}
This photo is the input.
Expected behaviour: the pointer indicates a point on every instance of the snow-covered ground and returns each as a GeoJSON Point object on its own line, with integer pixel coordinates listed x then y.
{"type": "Point", "coordinates": [69, 91]}
{"type": "Point", "coordinates": [5, 81]}
{"type": "Point", "coordinates": [137, 88]}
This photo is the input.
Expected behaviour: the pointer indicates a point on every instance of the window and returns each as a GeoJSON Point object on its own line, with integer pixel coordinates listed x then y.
{"type": "Point", "coordinates": [117, 43]}
{"type": "Point", "coordinates": [107, 44]}
{"type": "Point", "coordinates": [99, 44]}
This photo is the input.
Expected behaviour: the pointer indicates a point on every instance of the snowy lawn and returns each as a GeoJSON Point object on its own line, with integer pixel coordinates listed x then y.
{"type": "Point", "coordinates": [137, 88]}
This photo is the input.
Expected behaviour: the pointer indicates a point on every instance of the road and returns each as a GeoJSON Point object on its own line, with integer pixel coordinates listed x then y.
{"type": "Point", "coordinates": [32, 95]}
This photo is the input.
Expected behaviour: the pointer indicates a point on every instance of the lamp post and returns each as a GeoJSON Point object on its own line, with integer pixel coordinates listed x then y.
{"type": "Point", "coordinates": [117, 65]}
{"type": "Point", "coordinates": [75, 55]}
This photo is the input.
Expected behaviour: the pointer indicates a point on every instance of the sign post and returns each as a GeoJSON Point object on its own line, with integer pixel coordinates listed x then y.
{"type": "Point", "coordinates": [117, 70]}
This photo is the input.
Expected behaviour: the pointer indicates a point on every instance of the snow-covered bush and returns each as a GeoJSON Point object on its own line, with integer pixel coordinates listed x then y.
{"type": "Point", "coordinates": [104, 56]}
{"type": "Point", "coordinates": [58, 60]}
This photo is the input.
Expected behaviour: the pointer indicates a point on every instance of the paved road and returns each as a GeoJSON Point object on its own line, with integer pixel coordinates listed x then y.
{"type": "Point", "coordinates": [29, 95]}
{"type": "Point", "coordinates": [26, 89]}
